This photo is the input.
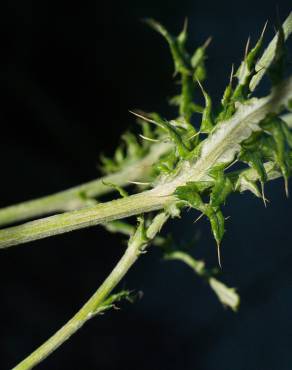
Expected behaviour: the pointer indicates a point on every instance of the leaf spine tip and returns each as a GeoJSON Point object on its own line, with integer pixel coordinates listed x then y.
{"type": "Point", "coordinates": [219, 255]}
{"type": "Point", "coordinates": [246, 48]}
{"type": "Point", "coordinates": [198, 218]}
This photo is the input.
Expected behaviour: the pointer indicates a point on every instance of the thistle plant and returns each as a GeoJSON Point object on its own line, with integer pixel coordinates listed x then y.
{"type": "Point", "coordinates": [195, 159]}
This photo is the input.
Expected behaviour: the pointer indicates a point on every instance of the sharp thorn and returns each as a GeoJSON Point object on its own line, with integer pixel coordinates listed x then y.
{"type": "Point", "coordinates": [264, 29]}
{"type": "Point", "coordinates": [231, 74]}
{"type": "Point", "coordinates": [207, 42]}
{"type": "Point", "coordinates": [231, 164]}
{"type": "Point", "coordinates": [246, 47]}
{"type": "Point", "coordinates": [286, 187]}
{"type": "Point", "coordinates": [138, 183]}
{"type": "Point", "coordinates": [148, 138]}
{"type": "Point", "coordinates": [198, 218]}
{"type": "Point", "coordinates": [219, 255]}
{"type": "Point", "coordinates": [194, 135]}
{"type": "Point", "coordinates": [185, 27]}
{"type": "Point", "coordinates": [147, 119]}
{"type": "Point", "coordinates": [263, 194]}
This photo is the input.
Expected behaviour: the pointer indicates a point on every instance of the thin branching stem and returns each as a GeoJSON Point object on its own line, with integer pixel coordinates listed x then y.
{"type": "Point", "coordinates": [95, 305]}
{"type": "Point", "coordinates": [77, 197]}
{"type": "Point", "coordinates": [222, 145]}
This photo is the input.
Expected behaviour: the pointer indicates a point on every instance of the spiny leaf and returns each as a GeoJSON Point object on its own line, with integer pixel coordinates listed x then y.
{"type": "Point", "coordinates": [186, 102]}
{"type": "Point", "coordinates": [244, 183]}
{"type": "Point", "coordinates": [140, 235]}
{"type": "Point", "coordinates": [246, 70]}
{"type": "Point", "coordinates": [207, 122]}
{"type": "Point", "coordinates": [224, 142]}
{"type": "Point", "coordinates": [176, 45]}
{"type": "Point", "coordinates": [227, 296]}
{"type": "Point", "coordinates": [198, 62]}
{"type": "Point", "coordinates": [275, 127]}
{"type": "Point", "coordinates": [166, 164]}
{"type": "Point", "coordinates": [189, 193]}
{"type": "Point", "coordinates": [217, 222]}
{"type": "Point", "coordinates": [277, 67]}
{"type": "Point", "coordinates": [253, 159]}
{"type": "Point", "coordinates": [112, 300]}
{"type": "Point", "coordinates": [268, 56]}
{"type": "Point", "coordinates": [181, 147]}
{"type": "Point", "coordinates": [222, 186]}
{"type": "Point", "coordinates": [227, 104]}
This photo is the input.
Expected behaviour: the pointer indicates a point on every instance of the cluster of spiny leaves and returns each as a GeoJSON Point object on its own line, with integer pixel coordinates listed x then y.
{"type": "Point", "coordinates": [267, 149]}
{"type": "Point", "coordinates": [272, 143]}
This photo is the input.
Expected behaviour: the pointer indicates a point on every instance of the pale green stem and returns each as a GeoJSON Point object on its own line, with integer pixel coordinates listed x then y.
{"type": "Point", "coordinates": [225, 139]}
{"type": "Point", "coordinates": [95, 303]}
{"type": "Point", "coordinates": [74, 198]}
{"type": "Point", "coordinates": [77, 197]}
{"type": "Point", "coordinates": [101, 213]}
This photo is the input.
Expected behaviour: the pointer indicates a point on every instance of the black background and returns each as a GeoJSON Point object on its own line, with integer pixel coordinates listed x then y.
{"type": "Point", "coordinates": [68, 76]}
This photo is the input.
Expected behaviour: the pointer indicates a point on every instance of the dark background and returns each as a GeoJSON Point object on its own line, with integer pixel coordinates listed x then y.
{"type": "Point", "coordinates": [68, 76]}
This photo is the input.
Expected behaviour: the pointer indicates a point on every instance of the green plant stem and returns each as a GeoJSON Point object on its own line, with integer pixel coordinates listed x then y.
{"type": "Point", "coordinates": [101, 213]}
{"type": "Point", "coordinates": [77, 197]}
{"type": "Point", "coordinates": [95, 304]}
{"type": "Point", "coordinates": [224, 140]}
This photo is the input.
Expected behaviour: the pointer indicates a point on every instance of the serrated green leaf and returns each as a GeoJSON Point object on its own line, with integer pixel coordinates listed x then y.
{"type": "Point", "coordinates": [243, 184]}
{"type": "Point", "coordinates": [189, 193]}
{"type": "Point", "coordinates": [275, 128]}
{"type": "Point", "coordinates": [182, 149]}
{"type": "Point", "coordinates": [221, 189]}
{"type": "Point", "coordinates": [176, 45]}
{"type": "Point", "coordinates": [207, 122]}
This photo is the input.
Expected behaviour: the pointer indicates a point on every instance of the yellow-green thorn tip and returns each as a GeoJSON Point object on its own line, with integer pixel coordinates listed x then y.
{"type": "Point", "coordinates": [246, 47]}
{"type": "Point", "coordinates": [147, 119]}
{"type": "Point", "coordinates": [207, 42]}
{"type": "Point", "coordinates": [286, 186]}
{"type": "Point", "coordinates": [263, 194]}
{"type": "Point", "coordinates": [149, 138]}
{"type": "Point", "coordinates": [198, 218]}
{"type": "Point", "coordinates": [219, 255]}
{"type": "Point", "coordinates": [264, 29]}
{"type": "Point", "coordinates": [231, 74]}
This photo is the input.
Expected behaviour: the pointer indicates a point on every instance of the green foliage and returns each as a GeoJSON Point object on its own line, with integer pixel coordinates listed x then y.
{"type": "Point", "coordinates": [246, 70]}
{"type": "Point", "coordinates": [267, 141]}
{"type": "Point", "coordinates": [194, 172]}
{"type": "Point", "coordinates": [113, 299]}
{"type": "Point", "coordinates": [227, 296]}
{"type": "Point", "coordinates": [188, 67]}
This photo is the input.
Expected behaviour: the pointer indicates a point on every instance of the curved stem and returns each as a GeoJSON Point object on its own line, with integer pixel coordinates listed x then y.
{"type": "Point", "coordinates": [77, 197]}
{"type": "Point", "coordinates": [95, 304]}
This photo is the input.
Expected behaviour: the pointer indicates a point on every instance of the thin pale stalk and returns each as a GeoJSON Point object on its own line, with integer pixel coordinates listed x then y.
{"type": "Point", "coordinates": [95, 304]}
{"type": "Point", "coordinates": [77, 197]}
{"type": "Point", "coordinates": [99, 214]}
